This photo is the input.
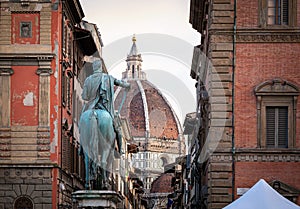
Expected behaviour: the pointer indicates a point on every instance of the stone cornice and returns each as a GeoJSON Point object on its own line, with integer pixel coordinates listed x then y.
{"type": "Point", "coordinates": [26, 56]}
{"type": "Point", "coordinates": [268, 150]}
{"type": "Point", "coordinates": [258, 155]}
{"type": "Point", "coordinates": [268, 38]}
{"type": "Point", "coordinates": [281, 35]}
{"type": "Point", "coordinates": [267, 158]}
{"type": "Point", "coordinates": [261, 35]}
{"type": "Point", "coordinates": [267, 155]}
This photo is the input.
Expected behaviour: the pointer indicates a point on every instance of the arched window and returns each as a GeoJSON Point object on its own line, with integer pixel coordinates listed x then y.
{"type": "Point", "coordinates": [23, 203]}
{"type": "Point", "coordinates": [133, 71]}
{"type": "Point", "coordinates": [276, 113]}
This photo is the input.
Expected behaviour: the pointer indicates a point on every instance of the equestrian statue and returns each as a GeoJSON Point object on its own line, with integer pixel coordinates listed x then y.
{"type": "Point", "coordinates": [98, 126]}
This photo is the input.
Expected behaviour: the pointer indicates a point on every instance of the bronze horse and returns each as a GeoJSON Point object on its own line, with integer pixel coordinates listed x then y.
{"type": "Point", "coordinates": [98, 144]}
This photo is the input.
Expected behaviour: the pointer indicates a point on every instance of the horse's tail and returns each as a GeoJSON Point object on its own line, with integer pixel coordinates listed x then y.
{"type": "Point", "coordinates": [89, 134]}
{"type": "Point", "coordinates": [94, 130]}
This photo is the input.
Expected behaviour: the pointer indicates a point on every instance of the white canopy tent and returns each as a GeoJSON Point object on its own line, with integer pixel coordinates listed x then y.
{"type": "Point", "coordinates": [262, 196]}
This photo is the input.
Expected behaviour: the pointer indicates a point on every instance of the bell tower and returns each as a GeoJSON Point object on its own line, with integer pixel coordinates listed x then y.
{"type": "Point", "coordinates": [134, 64]}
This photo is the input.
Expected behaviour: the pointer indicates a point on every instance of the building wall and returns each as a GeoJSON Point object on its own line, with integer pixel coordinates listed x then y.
{"type": "Point", "coordinates": [241, 59]}
{"type": "Point", "coordinates": [267, 53]}
{"type": "Point", "coordinates": [247, 14]}
{"type": "Point", "coordinates": [260, 58]}
{"type": "Point", "coordinates": [30, 108]}
{"type": "Point", "coordinates": [267, 61]}
{"type": "Point", "coordinates": [250, 172]}
{"type": "Point", "coordinates": [34, 183]}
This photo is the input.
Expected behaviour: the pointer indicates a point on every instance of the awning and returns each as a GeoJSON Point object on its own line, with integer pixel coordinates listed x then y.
{"type": "Point", "coordinates": [85, 40]}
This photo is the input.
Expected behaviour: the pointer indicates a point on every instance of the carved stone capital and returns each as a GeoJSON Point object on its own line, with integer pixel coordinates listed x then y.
{"type": "Point", "coordinates": [6, 71]}
{"type": "Point", "coordinates": [44, 71]}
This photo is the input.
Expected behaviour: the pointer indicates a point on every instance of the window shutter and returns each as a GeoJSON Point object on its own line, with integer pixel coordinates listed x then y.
{"type": "Point", "coordinates": [64, 152]}
{"type": "Point", "coordinates": [67, 158]}
{"type": "Point", "coordinates": [282, 127]}
{"type": "Point", "coordinates": [270, 138]}
{"type": "Point", "coordinates": [277, 127]}
{"type": "Point", "coordinates": [285, 12]}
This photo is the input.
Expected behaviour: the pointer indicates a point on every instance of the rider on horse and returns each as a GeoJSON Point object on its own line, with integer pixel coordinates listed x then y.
{"type": "Point", "coordinates": [98, 90]}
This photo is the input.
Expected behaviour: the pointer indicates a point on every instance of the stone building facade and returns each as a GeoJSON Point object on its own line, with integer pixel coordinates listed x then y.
{"type": "Point", "coordinates": [246, 126]}
{"type": "Point", "coordinates": [40, 56]}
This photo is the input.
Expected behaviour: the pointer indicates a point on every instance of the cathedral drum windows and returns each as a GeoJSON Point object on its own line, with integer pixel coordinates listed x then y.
{"type": "Point", "coordinates": [276, 113]}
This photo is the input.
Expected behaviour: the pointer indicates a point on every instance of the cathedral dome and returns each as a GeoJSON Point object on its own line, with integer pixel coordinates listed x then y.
{"type": "Point", "coordinates": [163, 184]}
{"type": "Point", "coordinates": [148, 112]}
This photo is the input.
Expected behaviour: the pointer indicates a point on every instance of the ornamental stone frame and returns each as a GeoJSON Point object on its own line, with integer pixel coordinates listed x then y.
{"type": "Point", "coordinates": [276, 92]}
{"type": "Point", "coordinates": [262, 10]}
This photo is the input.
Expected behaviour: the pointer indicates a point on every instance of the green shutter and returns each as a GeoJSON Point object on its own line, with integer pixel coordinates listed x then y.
{"type": "Point", "coordinates": [282, 127]}
{"type": "Point", "coordinates": [277, 127]}
{"type": "Point", "coordinates": [285, 12]}
{"type": "Point", "coordinates": [271, 127]}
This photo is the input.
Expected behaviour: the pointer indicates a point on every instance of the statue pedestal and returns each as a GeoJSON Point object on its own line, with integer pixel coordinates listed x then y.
{"type": "Point", "coordinates": [96, 199]}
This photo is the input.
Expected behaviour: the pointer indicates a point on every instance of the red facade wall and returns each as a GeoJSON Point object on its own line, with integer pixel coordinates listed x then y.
{"type": "Point", "coordinates": [248, 173]}
{"type": "Point", "coordinates": [247, 14]}
{"type": "Point", "coordinates": [256, 63]}
{"type": "Point", "coordinates": [25, 95]}
{"type": "Point", "coordinates": [55, 99]}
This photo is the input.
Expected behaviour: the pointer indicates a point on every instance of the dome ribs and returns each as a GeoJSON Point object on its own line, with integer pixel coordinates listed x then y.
{"type": "Point", "coordinates": [161, 119]}
{"type": "Point", "coordinates": [163, 183]}
{"type": "Point", "coordinates": [133, 109]}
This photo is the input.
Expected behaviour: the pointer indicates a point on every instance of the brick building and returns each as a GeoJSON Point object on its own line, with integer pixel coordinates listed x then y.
{"type": "Point", "coordinates": [41, 54]}
{"type": "Point", "coordinates": [247, 123]}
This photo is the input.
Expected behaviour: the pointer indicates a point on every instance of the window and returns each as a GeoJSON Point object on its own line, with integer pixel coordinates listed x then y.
{"type": "Point", "coordinates": [132, 71]}
{"type": "Point", "coordinates": [67, 157]}
{"type": "Point", "coordinates": [277, 127]}
{"type": "Point", "coordinates": [23, 203]}
{"type": "Point", "coordinates": [278, 12]}
{"type": "Point", "coordinates": [274, 13]}
{"type": "Point", "coordinates": [276, 114]}
{"type": "Point", "coordinates": [64, 86]}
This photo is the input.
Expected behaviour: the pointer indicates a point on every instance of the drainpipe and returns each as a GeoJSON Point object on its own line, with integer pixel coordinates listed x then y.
{"type": "Point", "coordinates": [233, 85]}
{"type": "Point", "coordinates": [60, 96]}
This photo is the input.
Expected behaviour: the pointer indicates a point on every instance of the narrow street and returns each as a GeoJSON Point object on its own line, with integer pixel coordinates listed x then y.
{"type": "Point", "coordinates": [173, 104]}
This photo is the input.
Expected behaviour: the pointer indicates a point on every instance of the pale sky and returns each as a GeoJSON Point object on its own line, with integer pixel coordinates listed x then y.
{"type": "Point", "coordinates": [165, 38]}
{"type": "Point", "coordinates": [120, 18]}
